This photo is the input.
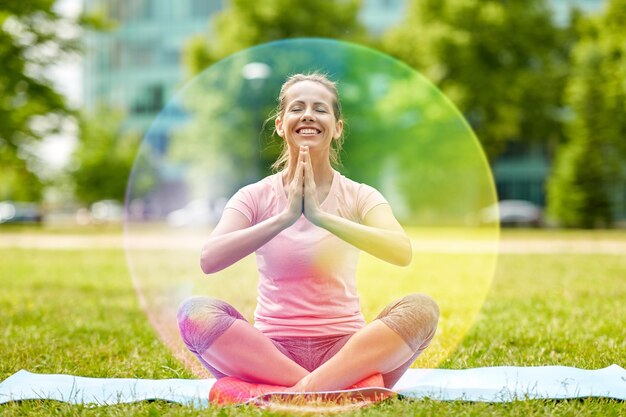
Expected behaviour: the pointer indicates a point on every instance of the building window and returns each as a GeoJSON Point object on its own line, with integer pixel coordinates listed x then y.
{"type": "Point", "coordinates": [138, 54]}
{"type": "Point", "coordinates": [149, 100]}
{"type": "Point", "coordinates": [204, 8]}
{"type": "Point", "coordinates": [130, 10]}
{"type": "Point", "coordinates": [528, 190]}
{"type": "Point", "coordinates": [170, 56]}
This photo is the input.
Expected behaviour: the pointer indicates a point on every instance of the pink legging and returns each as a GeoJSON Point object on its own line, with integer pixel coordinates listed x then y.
{"type": "Point", "coordinates": [202, 320]}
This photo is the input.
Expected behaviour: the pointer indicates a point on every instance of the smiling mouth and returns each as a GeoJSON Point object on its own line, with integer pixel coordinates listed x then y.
{"type": "Point", "coordinates": [308, 131]}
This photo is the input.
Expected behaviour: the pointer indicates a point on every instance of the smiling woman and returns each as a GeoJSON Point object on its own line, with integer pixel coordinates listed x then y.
{"type": "Point", "coordinates": [306, 224]}
{"type": "Point", "coordinates": [328, 109]}
{"type": "Point", "coordinates": [310, 220]}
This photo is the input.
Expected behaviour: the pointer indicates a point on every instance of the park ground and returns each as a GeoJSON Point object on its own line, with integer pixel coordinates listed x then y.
{"type": "Point", "coordinates": [68, 305]}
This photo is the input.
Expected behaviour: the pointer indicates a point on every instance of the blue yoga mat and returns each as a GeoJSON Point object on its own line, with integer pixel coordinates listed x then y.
{"type": "Point", "coordinates": [490, 384]}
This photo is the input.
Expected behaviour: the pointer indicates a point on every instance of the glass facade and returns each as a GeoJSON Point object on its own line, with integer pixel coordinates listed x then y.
{"type": "Point", "coordinates": [136, 66]}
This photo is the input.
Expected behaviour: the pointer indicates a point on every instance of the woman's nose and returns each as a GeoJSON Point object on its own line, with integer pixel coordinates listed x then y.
{"type": "Point", "coordinates": [307, 114]}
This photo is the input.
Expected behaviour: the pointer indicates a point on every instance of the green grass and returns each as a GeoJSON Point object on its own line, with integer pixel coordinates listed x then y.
{"type": "Point", "coordinates": [76, 312]}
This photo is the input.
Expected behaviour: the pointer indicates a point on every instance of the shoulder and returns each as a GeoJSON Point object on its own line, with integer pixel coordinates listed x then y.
{"type": "Point", "coordinates": [260, 188]}
{"type": "Point", "coordinates": [257, 200]}
{"type": "Point", "coordinates": [357, 189]}
{"type": "Point", "coordinates": [357, 198]}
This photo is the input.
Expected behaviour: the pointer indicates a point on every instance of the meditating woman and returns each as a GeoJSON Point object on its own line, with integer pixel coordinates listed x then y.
{"type": "Point", "coordinates": [307, 224]}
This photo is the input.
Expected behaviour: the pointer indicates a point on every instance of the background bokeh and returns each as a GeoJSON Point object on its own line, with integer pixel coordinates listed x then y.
{"type": "Point", "coordinates": [540, 82]}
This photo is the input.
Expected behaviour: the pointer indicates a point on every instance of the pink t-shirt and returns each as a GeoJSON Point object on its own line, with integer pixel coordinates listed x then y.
{"type": "Point", "coordinates": [307, 276]}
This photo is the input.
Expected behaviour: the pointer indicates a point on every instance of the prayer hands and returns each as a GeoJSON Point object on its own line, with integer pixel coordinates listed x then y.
{"type": "Point", "coordinates": [311, 207]}
{"type": "Point", "coordinates": [302, 192]}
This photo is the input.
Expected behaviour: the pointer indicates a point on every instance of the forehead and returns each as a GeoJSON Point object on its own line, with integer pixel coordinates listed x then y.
{"type": "Point", "coordinates": [309, 91]}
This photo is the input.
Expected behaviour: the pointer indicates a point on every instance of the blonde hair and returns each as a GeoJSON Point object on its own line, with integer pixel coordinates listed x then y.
{"type": "Point", "coordinates": [336, 145]}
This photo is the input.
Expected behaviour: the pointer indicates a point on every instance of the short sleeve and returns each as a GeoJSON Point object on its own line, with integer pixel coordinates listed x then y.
{"type": "Point", "coordinates": [244, 202]}
{"type": "Point", "coordinates": [367, 198]}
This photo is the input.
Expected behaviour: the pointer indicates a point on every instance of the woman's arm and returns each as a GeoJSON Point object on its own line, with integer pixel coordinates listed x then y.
{"type": "Point", "coordinates": [233, 238]}
{"type": "Point", "coordinates": [380, 235]}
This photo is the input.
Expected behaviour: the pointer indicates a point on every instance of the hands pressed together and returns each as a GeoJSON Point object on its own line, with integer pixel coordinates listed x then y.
{"type": "Point", "coordinates": [302, 191]}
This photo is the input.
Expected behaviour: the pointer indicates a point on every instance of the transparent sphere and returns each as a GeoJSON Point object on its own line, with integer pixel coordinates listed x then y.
{"type": "Point", "coordinates": [402, 136]}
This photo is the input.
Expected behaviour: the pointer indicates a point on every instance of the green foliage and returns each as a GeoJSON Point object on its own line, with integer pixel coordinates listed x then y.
{"type": "Point", "coordinates": [578, 191]}
{"type": "Point", "coordinates": [501, 63]}
{"type": "Point", "coordinates": [104, 156]}
{"type": "Point", "coordinates": [590, 165]}
{"type": "Point", "coordinates": [33, 37]}
{"type": "Point", "coordinates": [30, 108]}
{"type": "Point", "coordinates": [246, 23]}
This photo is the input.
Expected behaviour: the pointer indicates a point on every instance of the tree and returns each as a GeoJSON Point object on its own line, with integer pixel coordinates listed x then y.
{"type": "Point", "coordinates": [104, 156]}
{"type": "Point", "coordinates": [30, 108]}
{"type": "Point", "coordinates": [249, 22]}
{"type": "Point", "coordinates": [501, 64]}
{"type": "Point", "coordinates": [590, 165]}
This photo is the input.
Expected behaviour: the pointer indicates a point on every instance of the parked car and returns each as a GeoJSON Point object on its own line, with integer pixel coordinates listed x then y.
{"type": "Point", "coordinates": [513, 213]}
{"type": "Point", "coordinates": [107, 211]}
{"type": "Point", "coordinates": [20, 212]}
{"type": "Point", "coordinates": [198, 212]}
{"type": "Point", "coordinates": [195, 213]}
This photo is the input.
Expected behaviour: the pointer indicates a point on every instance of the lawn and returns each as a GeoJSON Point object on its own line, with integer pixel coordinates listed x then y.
{"type": "Point", "coordinates": [75, 311]}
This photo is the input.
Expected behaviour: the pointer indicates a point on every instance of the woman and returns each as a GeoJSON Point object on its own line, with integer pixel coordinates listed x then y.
{"type": "Point", "coordinates": [306, 224]}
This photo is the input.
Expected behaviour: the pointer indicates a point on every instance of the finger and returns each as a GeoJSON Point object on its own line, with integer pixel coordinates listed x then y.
{"type": "Point", "coordinates": [301, 162]}
{"type": "Point", "coordinates": [309, 178]}
{"type": "Point", "coordinates": [302, 188]}
{"type": "Point", "coordinates": [299, 174]}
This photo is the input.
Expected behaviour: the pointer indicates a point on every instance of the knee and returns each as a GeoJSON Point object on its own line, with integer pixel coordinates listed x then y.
{"type": "Point", "coordinates": [414, 318]}
{"type": "Point", "coordinates": [196, 309]}
{"type": "Point", "coordinates": [198, 317]}
{"type": "Point", "coordinates": [422, 310]}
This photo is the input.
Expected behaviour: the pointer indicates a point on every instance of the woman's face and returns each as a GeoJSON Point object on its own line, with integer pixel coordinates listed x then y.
{"type": "Point", "coordinates": [308, 118]}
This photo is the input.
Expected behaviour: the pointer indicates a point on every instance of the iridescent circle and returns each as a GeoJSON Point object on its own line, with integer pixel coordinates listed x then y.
{"type": "Point", "coordinates": [403, 137]}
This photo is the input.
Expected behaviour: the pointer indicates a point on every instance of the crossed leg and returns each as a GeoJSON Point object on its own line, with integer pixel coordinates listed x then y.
{"type": "Point", "coordinates": [223, 341]}
{"type": "Point", "coordinates": [388, 345]}
{"type": "Point", "coordinates": [228, 345]}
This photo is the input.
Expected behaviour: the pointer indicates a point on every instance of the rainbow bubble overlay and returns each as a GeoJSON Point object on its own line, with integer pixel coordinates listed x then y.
{"type": "Point", "coordinates": [402, 136]}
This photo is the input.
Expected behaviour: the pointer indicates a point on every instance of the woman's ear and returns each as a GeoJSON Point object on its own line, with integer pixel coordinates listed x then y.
{"type": "Point", "coordinates": [338, 129]}
{"type": "Point", "coordinates": [279, 126]}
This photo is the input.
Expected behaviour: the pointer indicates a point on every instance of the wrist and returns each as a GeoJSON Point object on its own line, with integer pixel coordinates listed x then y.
{"type": "Point", "coordinates": [319, 218]}
{"type": "Point", "coordinates": [287, 218]}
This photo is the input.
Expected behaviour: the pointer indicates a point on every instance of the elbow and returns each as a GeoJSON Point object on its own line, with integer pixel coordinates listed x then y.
{"type": "Point", "coordinates": [206, 264]}
{"type": "Point", "coordinates": [400, 253]}
{"type": "Point", "coordinates": [205, 267]}
{"type": "Point", "coordinates": [404, 259]}
{"type": "Point", "coordinates": [405, 253]}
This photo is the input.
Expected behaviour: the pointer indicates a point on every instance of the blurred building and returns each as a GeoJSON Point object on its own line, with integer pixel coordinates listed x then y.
{"type": "Point", "coordinates": [137, 65]}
